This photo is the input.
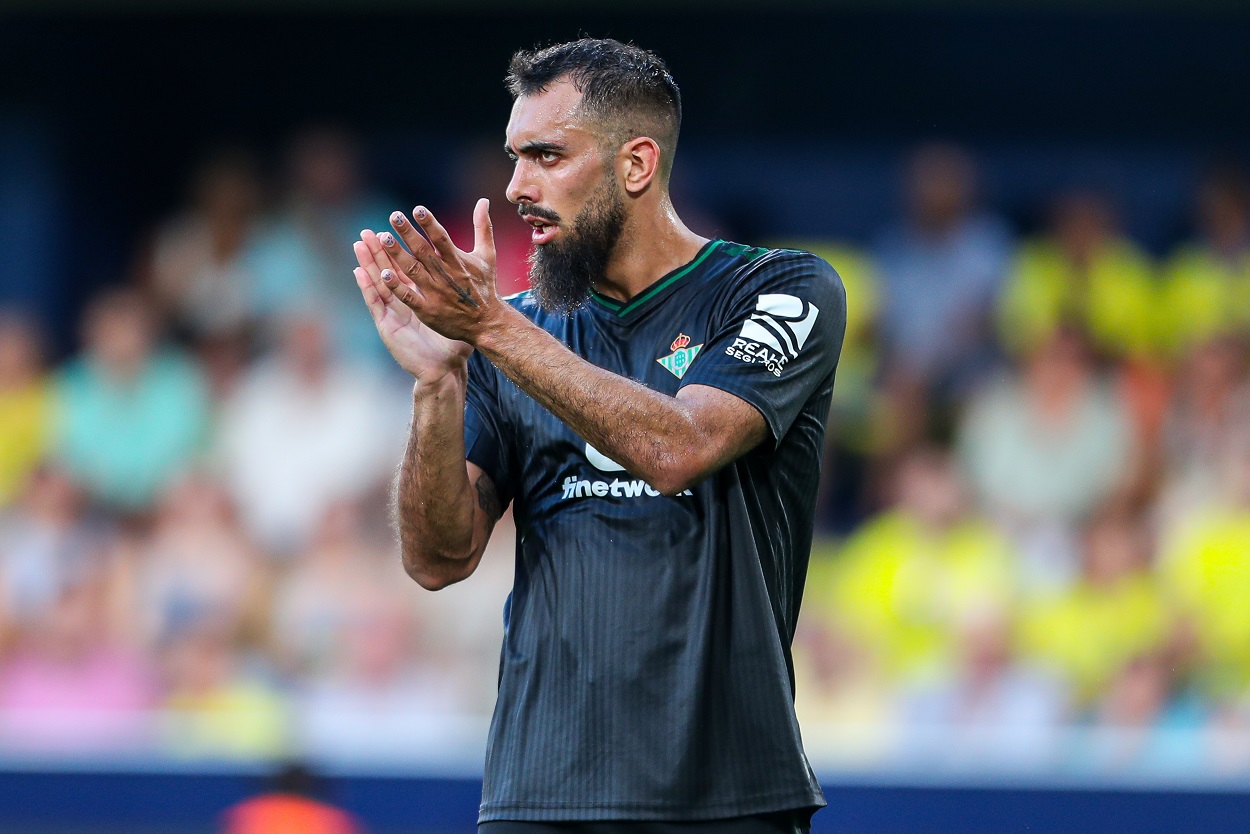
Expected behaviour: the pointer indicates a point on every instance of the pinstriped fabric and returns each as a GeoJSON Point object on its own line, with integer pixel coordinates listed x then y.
{"type": "Point", "coordinates": [645, 672]}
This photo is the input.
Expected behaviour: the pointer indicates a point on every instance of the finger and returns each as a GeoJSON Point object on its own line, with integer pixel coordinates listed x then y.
{"type": "Point", "coordinates": [483, 231]}
{"type": "Point", "coordinates": [410, 296]}
{"type": "Point", "coordinates": [373, 300]}
{"type": "Point", "coordinates": [386, 251]}
{"type": "Point", "coordinates": [371, 265]}
{"type": "Point", "coordinates": [438, 236]}
{"type": "Point", "coordinates": [401, 257]}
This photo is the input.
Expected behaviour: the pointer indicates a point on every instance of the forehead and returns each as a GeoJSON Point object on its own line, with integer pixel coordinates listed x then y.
{"type": "Point", "coordinates": [548, 116]}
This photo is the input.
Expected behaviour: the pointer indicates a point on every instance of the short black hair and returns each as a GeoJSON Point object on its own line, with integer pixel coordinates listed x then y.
{"type": "Point", "coordinates": [625, 88]}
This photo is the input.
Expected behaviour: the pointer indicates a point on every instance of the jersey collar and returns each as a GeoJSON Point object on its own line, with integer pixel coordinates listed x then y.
{"type": "Point", "coordinates": [625, 309]}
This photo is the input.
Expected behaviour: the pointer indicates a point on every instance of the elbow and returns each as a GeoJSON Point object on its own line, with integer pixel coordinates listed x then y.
{"type": "Point", "coordinates": [676, 474]}
{"type": "Point", "coordinates": [434, 573]}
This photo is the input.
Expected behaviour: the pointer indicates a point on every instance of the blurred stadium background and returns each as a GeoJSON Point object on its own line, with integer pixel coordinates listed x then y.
{"type": "Point", "coordinates": [1029, 602]}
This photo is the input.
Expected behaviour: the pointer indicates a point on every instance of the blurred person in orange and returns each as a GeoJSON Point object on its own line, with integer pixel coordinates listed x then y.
{"type": "Point", "coordinates": [25, 403]}
{"type": "Point", "coordinates": [130, 414]}
{"type": "Point", "coordinates": [1206, 291]}
{"type": "Point", "coordinates": [289, 806]}
{"type": "Point", "coordinates": [1115, 611]}
{"type": "Point", "coordinates": [902, 581]}
{"type": "Point", "coordinates": [1045, 447]}
{"type": "Point", "coordinates": [1209, 410]}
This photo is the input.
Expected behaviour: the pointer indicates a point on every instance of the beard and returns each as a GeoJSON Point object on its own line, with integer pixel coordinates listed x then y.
{"type": "Point", "coordinates": [562, 272]}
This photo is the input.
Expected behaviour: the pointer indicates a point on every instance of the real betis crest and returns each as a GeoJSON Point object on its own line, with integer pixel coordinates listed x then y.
{"type": "Point", "coordinates": [679, 360]}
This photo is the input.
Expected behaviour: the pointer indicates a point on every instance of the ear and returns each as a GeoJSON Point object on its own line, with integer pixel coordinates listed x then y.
{"type": "Point", "coordinates": [639, 163]}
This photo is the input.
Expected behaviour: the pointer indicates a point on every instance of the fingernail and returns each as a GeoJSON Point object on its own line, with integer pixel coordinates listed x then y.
{"type": "Point", "coordinates": [387, 239]}
{"type": "Point", "coordinates": [397, 218]}
{"type": "Point", "coordinates": [420, 212]}
{"type": "Point", "coordinates": [388, 276]}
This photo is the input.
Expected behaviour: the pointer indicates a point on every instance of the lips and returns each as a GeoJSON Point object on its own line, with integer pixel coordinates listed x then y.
{"type": "Point", "coordinates": [542, 231]}
{"type": "Point", "coordinates": [544, 223]}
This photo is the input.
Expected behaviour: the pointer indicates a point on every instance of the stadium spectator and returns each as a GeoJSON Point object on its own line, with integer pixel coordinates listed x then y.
{"type": "Point", "coordinates": [336, 580]}
{"type": "Point", "coordinates": [990, 709]}
{"type": "Point", "coordinates": [905, 578]}
{"type": "Point", "coordinates": [1114, 612]}
{"type": "Point", "coordinates": [215, 706]}
{"type": "Point", "coordinates": [1044, 448]}
{"type": "Point", "coordinates": [130, 415]}
{"type": "Point", "coordinates": [70, 687]}
{"type": "Point", "coordinates": [302, 431]}
{"type": "Point", "coordinates": [198, 271]}
{"type": "Point", "coordinates": [1209, 409]}
{"type": "Point", "coordinates": [290, 806]}
{"type": "Point", "coordinates": [198, 566]}
{"type": "Point", "coordinates": [1206, 291]}
{"type": "Point", "coordinates": [47, 546]}
{"type": "Point", "coordinates": [383, 699]}
{"type": "Point", "coordinates": [1207, 573]}
{"type": "Point", "coordinates": [299, 252]}
{"type": "Point", "coordinates": [25, 403]}
{"type": "Point", "coordinates": [1085, 272]}
{"type": "Point", "coordinates": [941, 268]}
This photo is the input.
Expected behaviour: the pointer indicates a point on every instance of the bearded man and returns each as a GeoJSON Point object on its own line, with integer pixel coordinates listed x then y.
{"type": "Point", "coordinates": [654, 412]}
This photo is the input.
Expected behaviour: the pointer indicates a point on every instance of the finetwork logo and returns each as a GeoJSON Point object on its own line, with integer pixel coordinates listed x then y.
{"type": "Point", "coordinates": [775, 333]}
{"type": "Point", "coordinates": [575, 487]}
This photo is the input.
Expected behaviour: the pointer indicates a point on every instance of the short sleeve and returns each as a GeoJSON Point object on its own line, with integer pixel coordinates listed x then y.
{"type": "Point", "coordinates": [776, 341]}
{"type": "Point", "coordinates": [485, 435]}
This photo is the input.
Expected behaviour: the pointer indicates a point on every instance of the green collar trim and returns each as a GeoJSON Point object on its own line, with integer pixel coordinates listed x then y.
{"type": "Point", "coordinates": [624, 309]}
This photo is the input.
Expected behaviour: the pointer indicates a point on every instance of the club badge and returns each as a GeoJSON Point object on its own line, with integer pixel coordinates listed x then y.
{"type": "Point", "coordinates": [678, 362]}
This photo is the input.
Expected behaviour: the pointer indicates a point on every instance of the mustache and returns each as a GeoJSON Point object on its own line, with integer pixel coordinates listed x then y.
{"type": "Point", "coordinates": [527, 210]}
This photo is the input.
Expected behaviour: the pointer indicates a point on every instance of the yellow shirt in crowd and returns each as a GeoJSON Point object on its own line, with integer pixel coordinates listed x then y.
{"type": "Point", "coordinates": [1206, 567]}
{"type": "Point", "coordinates": [25, 418]}
{"type": "Point", "coordinates": [904, 589]}
{"type": "Point", "coordinates": [1090, 632]}
{"type": "Point", "coordinates": [1203, 295]}
{"type": "Point", "coordinates": [1115, 300]}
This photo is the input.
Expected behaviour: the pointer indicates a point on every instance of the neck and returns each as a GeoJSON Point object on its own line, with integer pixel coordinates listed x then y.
{"type": "Point", "coordinates": [653, 243]}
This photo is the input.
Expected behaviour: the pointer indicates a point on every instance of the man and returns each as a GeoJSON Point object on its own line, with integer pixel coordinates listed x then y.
{"type": "Point", "coordinates": [654, 409]}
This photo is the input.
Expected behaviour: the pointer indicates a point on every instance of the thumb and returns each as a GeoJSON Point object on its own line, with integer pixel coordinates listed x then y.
{"type": "Point", "coordinates": [483, 231]}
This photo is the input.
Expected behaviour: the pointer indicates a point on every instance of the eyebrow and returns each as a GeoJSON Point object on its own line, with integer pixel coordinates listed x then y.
{"type": "Point", "coordinates": [534, 147]}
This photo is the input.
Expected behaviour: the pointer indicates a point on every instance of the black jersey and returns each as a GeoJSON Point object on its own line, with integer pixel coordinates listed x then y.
{"type": "Point", "coordinates": [646, 670]}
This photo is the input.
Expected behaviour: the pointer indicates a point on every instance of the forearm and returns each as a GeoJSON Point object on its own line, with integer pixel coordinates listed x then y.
{"type": "Point", "coordinates": [434, 510]}
{"type": "Point", "coordinates": [653, 435]}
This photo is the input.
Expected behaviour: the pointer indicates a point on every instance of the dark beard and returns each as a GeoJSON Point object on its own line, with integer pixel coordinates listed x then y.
{"type": "Point", "coordinates": [563, 271]}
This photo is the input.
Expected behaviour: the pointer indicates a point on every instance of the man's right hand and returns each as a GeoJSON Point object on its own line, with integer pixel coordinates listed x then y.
{"type": "Point", "coordinates": [420, 351]}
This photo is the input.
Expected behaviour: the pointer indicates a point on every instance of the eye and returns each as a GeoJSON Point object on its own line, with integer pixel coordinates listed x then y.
{"type": "Point", "coordinates": [513, 156]}
{"type": "Point", "coordinates": [548, 157]}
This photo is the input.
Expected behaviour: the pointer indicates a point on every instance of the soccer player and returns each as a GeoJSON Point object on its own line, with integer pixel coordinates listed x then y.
{"type": "Point", "coordinates": [654, 411]}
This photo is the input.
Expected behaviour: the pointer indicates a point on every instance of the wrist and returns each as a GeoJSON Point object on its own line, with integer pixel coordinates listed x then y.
{"type": "Point", "coordinates": [447, 384]}
{"type": "Point", "coordinates": [494, 328]}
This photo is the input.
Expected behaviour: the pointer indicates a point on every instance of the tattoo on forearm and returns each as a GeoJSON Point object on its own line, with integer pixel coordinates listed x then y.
{"type": "Point", "coordinates": [488, 499]}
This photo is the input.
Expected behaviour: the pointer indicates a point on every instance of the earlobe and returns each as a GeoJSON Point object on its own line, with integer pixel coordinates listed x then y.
{"type": "Point", "coordinates": [642, 158]}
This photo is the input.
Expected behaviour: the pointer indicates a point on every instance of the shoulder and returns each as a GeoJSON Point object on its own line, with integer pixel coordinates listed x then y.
{"type": "Point", "coordinates": [795, 273]}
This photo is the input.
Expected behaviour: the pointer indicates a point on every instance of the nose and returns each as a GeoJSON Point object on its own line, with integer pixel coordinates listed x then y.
{"type": "Point", "coordinates": [521, 188]}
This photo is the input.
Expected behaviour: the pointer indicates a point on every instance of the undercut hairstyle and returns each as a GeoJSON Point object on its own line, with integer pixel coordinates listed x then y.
{"type": "Point", "coordinates": [626, 90]}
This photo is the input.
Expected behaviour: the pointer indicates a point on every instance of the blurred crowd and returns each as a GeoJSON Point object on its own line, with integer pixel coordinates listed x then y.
{"type": "Point", "coordinates": [1033, 542]}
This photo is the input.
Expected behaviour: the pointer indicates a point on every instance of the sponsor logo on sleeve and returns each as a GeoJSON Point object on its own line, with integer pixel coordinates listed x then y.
{"type": "Point", "coordinates": [775, 332]}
